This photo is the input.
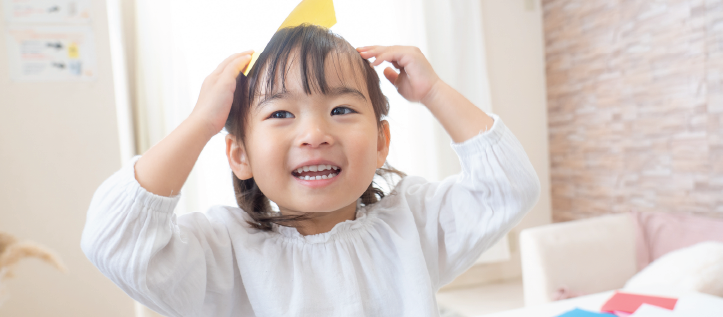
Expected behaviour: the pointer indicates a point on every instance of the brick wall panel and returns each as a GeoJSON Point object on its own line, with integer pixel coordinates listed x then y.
{"type": "Point", "coordinates": [635, 106]}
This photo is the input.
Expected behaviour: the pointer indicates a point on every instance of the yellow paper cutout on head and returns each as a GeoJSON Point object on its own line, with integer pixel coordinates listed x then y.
{"type": "Point", "coordinates": [317, 12]}
{"type": "Point", "coordinates": [254, 57]}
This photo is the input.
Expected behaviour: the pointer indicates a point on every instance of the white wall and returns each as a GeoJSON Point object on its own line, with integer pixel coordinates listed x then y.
{"type": "Point", "coordinates": [58, 142]}
{"type": "Point", "coordinates": [514, 47]}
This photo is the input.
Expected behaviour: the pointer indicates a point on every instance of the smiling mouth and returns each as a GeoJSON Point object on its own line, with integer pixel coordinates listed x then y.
{"type": "Point", "coordinates": [316, 172]}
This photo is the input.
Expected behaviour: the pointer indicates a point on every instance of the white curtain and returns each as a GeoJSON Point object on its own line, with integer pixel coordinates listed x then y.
{"type": "Point", "coordinates": [179, 42]}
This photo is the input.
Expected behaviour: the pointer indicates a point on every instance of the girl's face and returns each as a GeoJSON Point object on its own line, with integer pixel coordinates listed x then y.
{"type": "Point", "coordinates": [316, 152]}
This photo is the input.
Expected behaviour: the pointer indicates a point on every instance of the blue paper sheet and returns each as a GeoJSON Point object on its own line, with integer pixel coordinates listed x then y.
{"type": "Point", "coordinates": [577, 312]}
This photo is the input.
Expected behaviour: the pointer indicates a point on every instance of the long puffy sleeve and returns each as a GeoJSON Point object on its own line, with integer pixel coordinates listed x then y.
{"type": "Point", "coordinates": [179, 269]}
{"type": "Point", "coordinates": [465, 214]}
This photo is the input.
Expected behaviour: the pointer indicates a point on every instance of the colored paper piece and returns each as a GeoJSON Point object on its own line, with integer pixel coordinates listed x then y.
{"type": "Point", "coordinates": [629, 303]}
{"type": "Point", "coordinates": [621, 313]}
{"type": "Point", "coordinates": [699, 305]}
{"type": "Point", "coordinates": [577, 312]}
{"type": "Point", "coordinates": [317, 12]}
{"type": "Point", "coordinates": [646, 310]}
{"type": "Point", "coordinates": [254, 57]}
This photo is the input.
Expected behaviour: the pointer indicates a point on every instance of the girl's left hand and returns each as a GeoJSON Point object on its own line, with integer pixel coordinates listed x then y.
{"type": "Point", "coordinates": [416, 78]}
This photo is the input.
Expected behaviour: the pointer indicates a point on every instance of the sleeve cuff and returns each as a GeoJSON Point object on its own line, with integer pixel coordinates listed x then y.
{"type": "Point", "coordinates": [149, 200]}
{"type": "Point", "coordinates": [483, 140]}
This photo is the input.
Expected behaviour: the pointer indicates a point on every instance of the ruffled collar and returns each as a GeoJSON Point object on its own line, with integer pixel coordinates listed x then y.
{"type": "Point", "coordinates": [339, 230]}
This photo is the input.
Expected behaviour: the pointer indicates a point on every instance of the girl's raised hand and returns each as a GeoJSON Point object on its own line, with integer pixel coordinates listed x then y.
{"type": "Point", "coordinates": [216, 96]}
{"type": "Point", "coordinates": [164, 168]}
{"type": "Point", "coordinates": [415, 79]}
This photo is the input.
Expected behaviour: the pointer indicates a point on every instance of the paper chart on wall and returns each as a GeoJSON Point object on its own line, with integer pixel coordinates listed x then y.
{"type": "Point", "coordinates": [44, 53]}
{"type": "Point", "coordinates": [47, 11]}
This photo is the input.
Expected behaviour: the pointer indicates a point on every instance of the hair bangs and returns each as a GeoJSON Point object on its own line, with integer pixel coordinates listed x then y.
{"type": "Point", "coordinates": [309, 48]}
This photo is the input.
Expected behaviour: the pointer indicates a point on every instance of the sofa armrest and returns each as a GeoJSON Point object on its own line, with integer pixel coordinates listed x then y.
{"type": "Point", "coordinates": [582, 257]}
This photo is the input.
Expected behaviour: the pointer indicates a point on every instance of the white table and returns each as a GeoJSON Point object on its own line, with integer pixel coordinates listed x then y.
{"type": "Point", "coordinates": [702, 305]}
{"type": "Point", "coordinates": [591, 302]}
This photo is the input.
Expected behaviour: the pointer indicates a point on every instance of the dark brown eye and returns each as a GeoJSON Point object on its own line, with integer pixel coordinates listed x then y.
{"type": "Point", "coordinates": [282, 114]}
{"type": "Point", "coordinates": [341, 110]}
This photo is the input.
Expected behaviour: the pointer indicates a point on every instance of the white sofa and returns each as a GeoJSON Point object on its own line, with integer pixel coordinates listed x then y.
{"type": "Point", "coordinates": [577, 257]}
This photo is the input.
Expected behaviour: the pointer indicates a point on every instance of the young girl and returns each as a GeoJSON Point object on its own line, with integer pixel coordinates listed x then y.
{"type": "Point", "coordinates": [306, 132]}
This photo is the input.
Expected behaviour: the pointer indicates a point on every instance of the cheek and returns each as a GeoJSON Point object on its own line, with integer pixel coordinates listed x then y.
{"type": "Point", "coordinates": [362, 154]}
{"type": "Point", "coordinates": [267, 157]}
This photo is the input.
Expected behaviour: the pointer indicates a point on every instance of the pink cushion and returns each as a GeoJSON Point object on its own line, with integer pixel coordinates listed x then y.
{"type": "Point", "coordinates": [660, 232]}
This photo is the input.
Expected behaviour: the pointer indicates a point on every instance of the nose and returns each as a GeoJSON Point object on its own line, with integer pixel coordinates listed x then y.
{"type": "Point", "coordinates": [315, 134]}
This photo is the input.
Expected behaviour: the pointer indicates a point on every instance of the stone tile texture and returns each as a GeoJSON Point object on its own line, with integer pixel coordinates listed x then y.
{"type": "Point", "coordinates": [635, 106]}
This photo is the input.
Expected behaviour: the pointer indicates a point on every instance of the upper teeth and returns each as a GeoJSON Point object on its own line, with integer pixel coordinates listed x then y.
{"type": "Point", "coordinates": [316, 168]}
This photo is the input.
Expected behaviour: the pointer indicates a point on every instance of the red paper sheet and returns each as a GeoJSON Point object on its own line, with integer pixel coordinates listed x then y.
{"type": "Point", "coordinates": [629, 303]}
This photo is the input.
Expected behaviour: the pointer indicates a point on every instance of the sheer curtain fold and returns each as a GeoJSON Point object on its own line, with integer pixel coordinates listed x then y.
{"type": "Point", "coordinates": [454, 31]}
{"type": "Point", "coordinates": [456, 50]}
{"type": "Point", "coordinates": [179, 42]}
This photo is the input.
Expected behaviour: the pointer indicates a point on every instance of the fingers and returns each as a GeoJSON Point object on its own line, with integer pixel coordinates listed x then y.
{"type": "Point", "coordinates": [365, 48]}
{"type": "Point", "coordinates": [235, 66]}
{"type": "Point", "coordinates": [391, 75]}
{"type": "Point", "coordinates": [228, 60]}
{"type": "Point", "coordinates": [389, 56]}
{"type": "Point", "coordinates": [367, 52]}
{"type": "Point", "coordinates": [399, 56]}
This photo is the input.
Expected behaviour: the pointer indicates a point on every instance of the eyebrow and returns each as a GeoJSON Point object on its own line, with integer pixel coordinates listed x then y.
{"type": "Point", "coordinates": [343, 90]}
{"type": "Point", "coordinates": [334, 92]}
{"type": "Point", "coordinates": [272, 97]}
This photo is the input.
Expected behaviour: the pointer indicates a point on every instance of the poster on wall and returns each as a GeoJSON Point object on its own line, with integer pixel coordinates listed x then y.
{"type": "Point", "coordinates": [45, 53]}
{"type": "Point", "coordinates": [47, 11]}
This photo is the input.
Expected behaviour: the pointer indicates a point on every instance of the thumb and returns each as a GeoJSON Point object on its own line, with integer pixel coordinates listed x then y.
{"type": "Point", "coordinates": [236, 66]}
{"type": "Point", "coordinates": [391, 75]}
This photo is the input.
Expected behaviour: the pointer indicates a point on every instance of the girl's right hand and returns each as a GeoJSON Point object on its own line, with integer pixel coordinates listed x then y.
{"type": "Point", "coordinates": [164, 168]}
{"type": "Point", "coordinates": [214, 101]}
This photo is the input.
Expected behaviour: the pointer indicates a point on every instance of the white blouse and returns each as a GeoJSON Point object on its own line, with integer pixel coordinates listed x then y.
{"type": "Point", "coordinates": [389, 261]}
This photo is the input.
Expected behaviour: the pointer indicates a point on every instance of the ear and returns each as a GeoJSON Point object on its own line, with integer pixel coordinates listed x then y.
{"type": "Point", "coordinates": [383, 143]}
{"type": "Point", "coordinates": [237, 158]}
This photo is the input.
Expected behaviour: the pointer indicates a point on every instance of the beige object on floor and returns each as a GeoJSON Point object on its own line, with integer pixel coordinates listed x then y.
{"type": "Point", "coordinates": [12, 251]}
{"type": "Point", "coordinates": [580, 257]}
